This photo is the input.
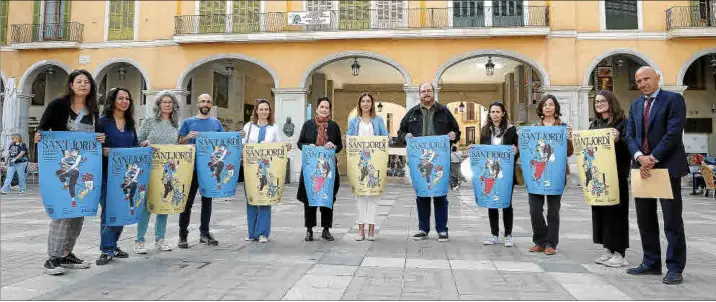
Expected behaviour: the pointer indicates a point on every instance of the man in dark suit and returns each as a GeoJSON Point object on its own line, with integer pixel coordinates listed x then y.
{"type": "Point", "coordinates": [654, 134]}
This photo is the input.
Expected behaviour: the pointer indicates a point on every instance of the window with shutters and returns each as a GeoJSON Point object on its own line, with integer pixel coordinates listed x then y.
{"type": "Point", "coordinates": [507, 13]}
{"type": "Point", "coordinates": [389, 14]}
{"type": "Point", "coordinates": [319, 5]}
{"type": "Point", "coordinates": [212, 16]}
{"type": "Point", "coordinates": [354, 14]}
{"type": "Point", "coordinates": [121, 20]}
{"type": "Point", "coordinates": [55, 14]}
{"type": "Point", "coordinates": [3, 21]}
{"type": "Point", "coordinates": [621, 14]}
{"type": "Point", "coordinates": [246, 16]}
{"type": "Point", "coordinates": [468, 13]}
{"type": "Point", "coordinates": [470, 135]}
{"type": "Point", "coordinates": [471, 109]}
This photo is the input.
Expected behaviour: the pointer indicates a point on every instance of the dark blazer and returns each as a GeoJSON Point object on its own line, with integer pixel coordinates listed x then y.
{"type": "Point", "coordinates": [509, 138]}
{"type": "Point", "coordinates": [308, 136]}
{"type": "Point", "coordinates": [56, 114]}
{"type": "Point", "coordinates": [664, 133]}
{"type": "Point", "coordinates": [443, 121]}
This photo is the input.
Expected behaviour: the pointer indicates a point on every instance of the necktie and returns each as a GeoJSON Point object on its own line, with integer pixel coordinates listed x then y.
{"type": "Point", "coordinates": [645, 123]}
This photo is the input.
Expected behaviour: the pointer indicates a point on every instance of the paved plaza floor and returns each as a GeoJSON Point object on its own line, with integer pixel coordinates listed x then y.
{"type": "Point", "coordinates": [394, 267]}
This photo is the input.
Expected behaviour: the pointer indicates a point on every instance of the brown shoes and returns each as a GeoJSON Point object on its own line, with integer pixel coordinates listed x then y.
{"type": "Point", "coordinates": [550, 251]}
{"type": "Point", "coordinates": [537, 249]}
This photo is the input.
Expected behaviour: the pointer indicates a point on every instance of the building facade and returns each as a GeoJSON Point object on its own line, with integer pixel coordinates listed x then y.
{"type": "Point", "coordinates": [292, 52]}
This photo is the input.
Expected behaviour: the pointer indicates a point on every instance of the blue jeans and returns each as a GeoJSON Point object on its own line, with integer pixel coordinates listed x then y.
{"type": "Point", "coordinates": [258, 219]}
{"type": "Point", "coordinates": [160, 226]}
{"type": "Point", "coordinates": [109, 235]}
{"type": "Point", "coordinates": [11, 169]}
{"type": "Point", "coordinates": [441, 213]}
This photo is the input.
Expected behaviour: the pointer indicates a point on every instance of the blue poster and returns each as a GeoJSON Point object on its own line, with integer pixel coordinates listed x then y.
{"type": "Point", "coordinates": [70, 165]}
{"type": "Point", "coordinates": [127, 182]}
{"type": "Point", "coordinates": [218, 160]}
{"type": "Point", "coordinates": [543, 155]}
{"type": "Point", "coordinates": [429, 162]}
{"type": "Point", "coordinates": [493, 168]}
{"type": "Point", "coordinates": [319, 167]}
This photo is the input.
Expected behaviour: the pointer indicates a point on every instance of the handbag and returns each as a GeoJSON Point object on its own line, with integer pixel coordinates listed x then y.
{"type": "Point", "coordinates": [241, 170]}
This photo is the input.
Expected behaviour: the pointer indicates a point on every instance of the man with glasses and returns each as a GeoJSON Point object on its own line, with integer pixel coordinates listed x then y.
{"type": "Point", "coordinates": [427, 119]}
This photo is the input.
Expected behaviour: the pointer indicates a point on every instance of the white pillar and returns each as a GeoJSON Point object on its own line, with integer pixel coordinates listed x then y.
{"type": "Point", "coordinates": [290, 115]}
{"type": "Point", "coordinates": [10, 114]}
{"type": "Point", "coordinates": [412, 96]}
{"type": "Point", "coordinates": [574, 106]}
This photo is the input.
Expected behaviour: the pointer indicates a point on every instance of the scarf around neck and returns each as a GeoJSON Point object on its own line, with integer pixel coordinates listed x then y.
{"type": "Point", "coordinates": [322, 127]}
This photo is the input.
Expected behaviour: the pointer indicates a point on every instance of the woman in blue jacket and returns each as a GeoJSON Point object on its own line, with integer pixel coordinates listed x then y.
{"type": "Point", "coordinates": [366, 123]}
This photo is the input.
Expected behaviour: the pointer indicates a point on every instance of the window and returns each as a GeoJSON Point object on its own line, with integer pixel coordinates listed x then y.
{"type": "Point", "coordinates": [212, 16]}
{"type": "Point", "coordinates": [319, 5]}
{"type": "Point", "coordinates": [507, 13]}
{"type": "Point", "coordinates": [468, 13]}
{"type": "Point", "coordinates": [121, 20]}
{"type": "Point", "coordinates": [354, 14]}
{"type": "Point", "coordinates": [246, 16]}
{"type": "Point", "coordinates": [52, 15]}
{"type": "Point", "coordinates": [471, 114]}
{"type": "Point", "coordinates": [470, 135]}
{"type": "Point", "coordinates": [3, 21]}
{"type": "Point", "coordinates": [389, 14]}
{"type": "Point", "coordinates": [621, 14]}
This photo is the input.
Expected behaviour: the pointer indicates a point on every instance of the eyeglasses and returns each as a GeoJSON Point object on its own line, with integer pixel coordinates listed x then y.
{"type": "Point", "coordinates": [600, 101]}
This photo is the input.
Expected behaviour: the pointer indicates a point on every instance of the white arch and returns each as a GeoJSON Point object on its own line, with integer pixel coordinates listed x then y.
{"type": "Point", "coordinates": [103, 69]}
{"type": "Point", "coordinates": [624, 50]}
{"type": "Point", "coordinates": [691, 60]}
{"type": "Point", "coordinates": [184, 77]}
{"type": "Point", "coordinates": [493, 52]}
{"type": "Point", "coordinates": [354, 54]}
{"type": "Point", "coordinates": [29, 75]}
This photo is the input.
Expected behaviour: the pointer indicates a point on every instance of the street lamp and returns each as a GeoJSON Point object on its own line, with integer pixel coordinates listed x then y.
{"type": "Point", "coordinates": [489, 67]}
{"type": "Point", "coordinates": [229, 69]}
{"type": "Point", "coordinates": [122, 73]}
{"type": "Point", "coordinates": [355, 67]}
{"type": "Point", "coordinates": [50, 70]}
{"type": "Point", "coordinates": [462, 107]}
{"type": "Point", "coordinates": [620, 62]}
{"type": "Point", "coordinates": [380, 107]}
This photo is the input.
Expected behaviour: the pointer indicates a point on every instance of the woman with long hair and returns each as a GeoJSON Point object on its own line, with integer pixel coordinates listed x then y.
{"type": "Point", "coordinates": [75, 111]}
{"type": "Point", "coordinates": [162, 127]}
{"type": "Point", "coordinates": [260, 129]}
{"type": "Point", "coordinates": [16, 162]}
{"type": "Point", "coordinates": [319, 131]}
{"type": "Point", "coordinates": [498, 131]}
{"type": "Point", "coordinates": [610, 224]}
{"type": "Point", "coordinates": [117, 123]}
{"type": "Point", "coordinates": [546, 235]}
{"type": "Point", "coordinates": [366, 123]}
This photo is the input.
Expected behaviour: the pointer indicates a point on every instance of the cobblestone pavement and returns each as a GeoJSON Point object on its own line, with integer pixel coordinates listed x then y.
{"type": "Point", "coordinates": [394, 267]}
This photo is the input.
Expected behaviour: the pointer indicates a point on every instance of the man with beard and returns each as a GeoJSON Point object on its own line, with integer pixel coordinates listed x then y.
{"type": "Point", "coordinates": [188, 132]}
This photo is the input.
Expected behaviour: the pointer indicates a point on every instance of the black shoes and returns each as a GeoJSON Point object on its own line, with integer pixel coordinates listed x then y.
{"type": "Point", "coordinates": [327, 235]}
{"type": "Point", "coordinates": [120, 253]}
{"type": "Point", "coordinates": [52, 267]}
{"type": "Point", "coordinates": [309, 235]}
{"type": "Point", "coordinates": [208, 239]}
{"type": "Point", "coordinates": [104, 259]}
{"type": "Point", "coordinates": [420, 235]}
{"type": "Point", "coordinates": [71, 261]}
{"type": "Point", "coordinates": [673, 278]}
{"type": "Point", "coordinates": [183, 244]}
{"type": "Point", "coordinates": [643, 269]}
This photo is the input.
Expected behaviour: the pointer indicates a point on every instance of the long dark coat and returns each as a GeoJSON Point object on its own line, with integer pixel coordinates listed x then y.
{"type": "Point", "coordinates": [308, 136]}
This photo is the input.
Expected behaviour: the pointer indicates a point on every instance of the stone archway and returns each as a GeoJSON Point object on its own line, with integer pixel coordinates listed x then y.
{"type": "Point", "coordinates": [25, 82]}
{"type": "Point", "coordinates": [354, 54]}
{"type": "Point", "coordinates": [104, 68]}
{"type": "Point", "coordinates": [628, 51]}
{"type": "Point", "coordinates": [691, 60]}
{"type": "Point", "coordinates": [184, 76]}
{"type": "Point", "coordinates": [496, 53]}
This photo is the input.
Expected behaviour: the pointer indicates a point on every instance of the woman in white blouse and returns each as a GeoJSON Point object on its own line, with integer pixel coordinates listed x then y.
{"type": "Point", "coordinates": [259, 130]}
{"type": "Point", "coordinates": [367, 123]}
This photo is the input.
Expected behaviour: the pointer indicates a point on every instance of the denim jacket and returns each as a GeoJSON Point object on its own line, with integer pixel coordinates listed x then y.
{"type": "Point", "coordinates": [377, 122]}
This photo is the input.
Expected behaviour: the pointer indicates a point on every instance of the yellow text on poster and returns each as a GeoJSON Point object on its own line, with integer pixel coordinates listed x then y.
{"type": "Point", "coordinates": [367, 164]}
{"type": "Point", "coordinates": [265, 172]}
{"type": "Point", "coordinates": [170, 179]}
{"type": "Point", "coordinates": [597, 166]}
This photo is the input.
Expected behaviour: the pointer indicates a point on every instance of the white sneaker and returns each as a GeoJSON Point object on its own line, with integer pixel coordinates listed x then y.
{"type": "Point", "coordinates": [139, 248]}
{"type": "Point", "coordinates": [360, 238]}
{"type": "Point", "coordinates": [603, 258]}
{"type": "Point", "coordinates": [162, 245]}
{"type": "Point", "coordinates": [509, 242]}
{"type": "Point", "coordinates": [263, 239]}
{"type": "Point", "coordinates": [492, 240]}
{"type": "Point", "coordinates": [616, 261]}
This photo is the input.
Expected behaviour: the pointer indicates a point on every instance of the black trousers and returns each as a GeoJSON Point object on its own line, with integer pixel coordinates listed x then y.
{"type": "Point", "coordinates": [309, 216]}
{"type": "Point", "coordinates": [507, 220]}
{"type": "Point", "coordinates": [610, 224]}
{"type": "Point", "coordinates": [648, 220]}
{"type": "Point", "coordinates": [185, 217]}
{"type": "Point", "coordinates": [545, 234]}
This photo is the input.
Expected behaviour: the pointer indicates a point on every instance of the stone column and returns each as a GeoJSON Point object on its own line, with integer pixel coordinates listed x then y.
{"type": "Point", "coordinates": [151, 94]}
{"type": "Point", "coordinates": [290, 114]}
{"type": "Point", "coordinates": [412, 96]}
{"type": "Point", "coordinates": [574, 106]}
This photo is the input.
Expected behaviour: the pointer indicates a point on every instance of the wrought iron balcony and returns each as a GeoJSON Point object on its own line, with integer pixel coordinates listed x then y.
{"type": "Point", "coordinates": [64, 32]}
{"type": "Point", "coordinates": [690, 17]}
{"type": "Point", "coordinates": [362, 19]}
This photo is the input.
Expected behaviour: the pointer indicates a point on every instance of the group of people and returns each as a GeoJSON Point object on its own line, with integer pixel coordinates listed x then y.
{"type": "Point", "coordinates": [660, 147]}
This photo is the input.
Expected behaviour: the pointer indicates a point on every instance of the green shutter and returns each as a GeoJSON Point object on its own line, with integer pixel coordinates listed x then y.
{"type": "Point", "coordinates": [213, 16]}
{"type": "Point", "coordinates": [246, 16]}
{"type": "Point", "coordinates": [66, 19]}
{"type": "Point", "coordinates": [3, 21]}
{"type": "Point", "coordinates": [36, 28]}
{"type": "Point", "coordinates": [121, 20]}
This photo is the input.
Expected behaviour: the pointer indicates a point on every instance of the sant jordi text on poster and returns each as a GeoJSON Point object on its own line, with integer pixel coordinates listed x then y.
{"type": "Point", "coordinates": [319, 173]}
{"type": "Point", "coordinates": [367, 158]}
{"type": "Point", "coordinates": [493, 169]}
{"type": "Point", "coordinates": [170, 179]}
{"type": "Point", "coordinates": [70, 166]}
{"type": "Point", "coordinates": [597, 166]}
{"type": "Point", "coordinates": [218, 160]}
{"type": "Point", "coordinates": [128, 172]}
{"type": "Point", "coordinates": [543, 155]}
{"type": "Point", "coordinates": [265, 172]}
{"type": "Point", "coordinates": [429, 162]}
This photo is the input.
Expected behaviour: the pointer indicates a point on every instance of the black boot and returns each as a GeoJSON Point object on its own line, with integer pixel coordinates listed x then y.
{"type": "Point", "coordinates": [327, 235]}
{"type": "Point", "coordinates": [309, 235]}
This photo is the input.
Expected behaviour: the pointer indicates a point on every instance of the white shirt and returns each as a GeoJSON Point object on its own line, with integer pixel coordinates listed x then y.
{"type": "Point", "coordinates": [365, 129]}
{"type": "Point", "coordinates": [496, 140]}
{"type": "Point", "coordinates": [272, 135]}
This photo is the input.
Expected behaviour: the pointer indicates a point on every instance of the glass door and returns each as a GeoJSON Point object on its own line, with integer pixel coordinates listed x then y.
{"type": "Point", "coordinates": [507, 13]}
{"type": "Point", "coordinates": [468, 13]}
{"type": "Point", "coordinates": [54, 20]}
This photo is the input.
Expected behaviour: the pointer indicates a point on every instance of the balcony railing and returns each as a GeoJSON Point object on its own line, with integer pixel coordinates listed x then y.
{"type": "Point", "coordinates": [690, 17]}
{"type": "Point", "coordinates": [28, 33]}
{"type": "Point", "coordinates": [368, 19]}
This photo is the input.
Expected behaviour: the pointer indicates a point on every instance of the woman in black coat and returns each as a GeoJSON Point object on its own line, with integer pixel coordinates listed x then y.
{"type": "Point", "coordinates": [498, 131]}
{"type": "Point", "coordinates": [610, 224]}
{"type": "Point", "coordinates": [320, 131]}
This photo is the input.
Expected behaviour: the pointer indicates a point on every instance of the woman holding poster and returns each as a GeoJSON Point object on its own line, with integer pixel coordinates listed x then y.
{"type": "Point", "coordinates": [610, 224]}
{"type": "Point", "coordinates": [117, 123]}
{"type": "Point", "coordinates": [319, 131]}
{"type": "Point", "coordinates": [160, 128]}
{"type": "Point", "coordinates": [75, 111]}
{"type": "Point", "coordinates": [367, 123]}
{"type": "Point", "coordinates": [546, 235]}
{"type": "Point", "coordinates": [498, 131]}
{"type": "Point", "coordinates": [260, 129]}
